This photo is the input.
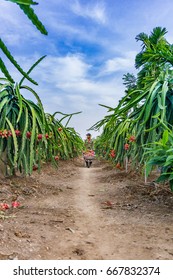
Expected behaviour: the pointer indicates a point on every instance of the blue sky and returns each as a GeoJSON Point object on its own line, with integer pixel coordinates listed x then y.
{"type": "Point", "coordinates": [90, 45]}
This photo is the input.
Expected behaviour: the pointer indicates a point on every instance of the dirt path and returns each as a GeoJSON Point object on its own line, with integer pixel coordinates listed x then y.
{"type": "Point", "coordinates": [81, 213]}
{"type": "Point", "coordinates": [90, 221]}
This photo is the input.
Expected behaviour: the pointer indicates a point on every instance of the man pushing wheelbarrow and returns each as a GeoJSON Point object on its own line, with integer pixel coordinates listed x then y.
{"type": "Point", "coordinates": [89, 154]}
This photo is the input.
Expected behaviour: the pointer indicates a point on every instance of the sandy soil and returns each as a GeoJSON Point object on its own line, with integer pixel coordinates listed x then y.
{"type": "Point", "coordinates": [85, 213]}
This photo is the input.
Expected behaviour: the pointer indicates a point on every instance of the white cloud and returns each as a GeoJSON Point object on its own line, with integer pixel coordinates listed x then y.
{"type": "Point", "coordinates": [63, 72]}
{"type": "Point", "coordinates": [70, 77]}
{"type": "Point", "coordinates": [65, 85]}
{"type": "Point", "coordinates": [120, 63]}
{"type": "Point", "coordinates": [78, 102]}
{"type": "Point", "coordinates": [95, 11]}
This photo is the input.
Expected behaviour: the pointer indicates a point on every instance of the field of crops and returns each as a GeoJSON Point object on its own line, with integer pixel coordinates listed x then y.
{"type": "Point", "coordinates": [136, 141]}
{"type": "Point", "coordinates": [137, 131]}
{"type": "Point", "coordinates": [28, 135]}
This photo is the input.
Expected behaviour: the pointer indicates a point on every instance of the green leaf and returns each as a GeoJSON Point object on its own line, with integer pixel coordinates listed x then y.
{"type": "Point", "coordinates": [165, 137]}
{"type": "Point", "coordinates": [24, 2]}
{"type": "Point", "coordinates": [169, 150]}
{"type": "Point", "coordinates": [157, 160]}
{"type": "Point", "coordinates": [32, 67]}
{"type": "Point", "coordinates": [159, 103]}
{"type": "Point", "coordinates": [171, 176]}
{"type": "Point", "coordinates": [13, 61]}
{"type": "Point", "coordinates": [22, 147]}
{"type": "Point", "coordinates": [20, 103]}
{"type": "Point", "coordinates": [69, 116]}
{"type": "Point", "coordinates": [4, 102]}
{"type": "Point", "coordinates": [5, 71]}
{"type": "Point", "coordinates": [25, 164]}
{"type": "Point", "coordinates": [40, 105]}
{"type": "Point", "coordinates": [162, 178]}
{"type": "Point", "coordinates": [14, 140]}
{"type": "Point", "coordinates": [32, 140]}
{"type": "Point", "coordinates": [33, 17]}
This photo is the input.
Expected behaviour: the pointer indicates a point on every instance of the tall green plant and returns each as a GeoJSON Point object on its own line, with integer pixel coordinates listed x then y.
{"type": "Point", "coordinates": [28, 136]}
{"type": "Point", "coordinates": [147, 103]}
{"type": "Point", "coordinates": [20, 124]}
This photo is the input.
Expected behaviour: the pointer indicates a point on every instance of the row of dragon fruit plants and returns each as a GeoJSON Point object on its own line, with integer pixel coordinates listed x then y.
{"type": "Point", "coordinates": [29, 136]}
{"type": "Point", "coordinates": [138, 131]}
